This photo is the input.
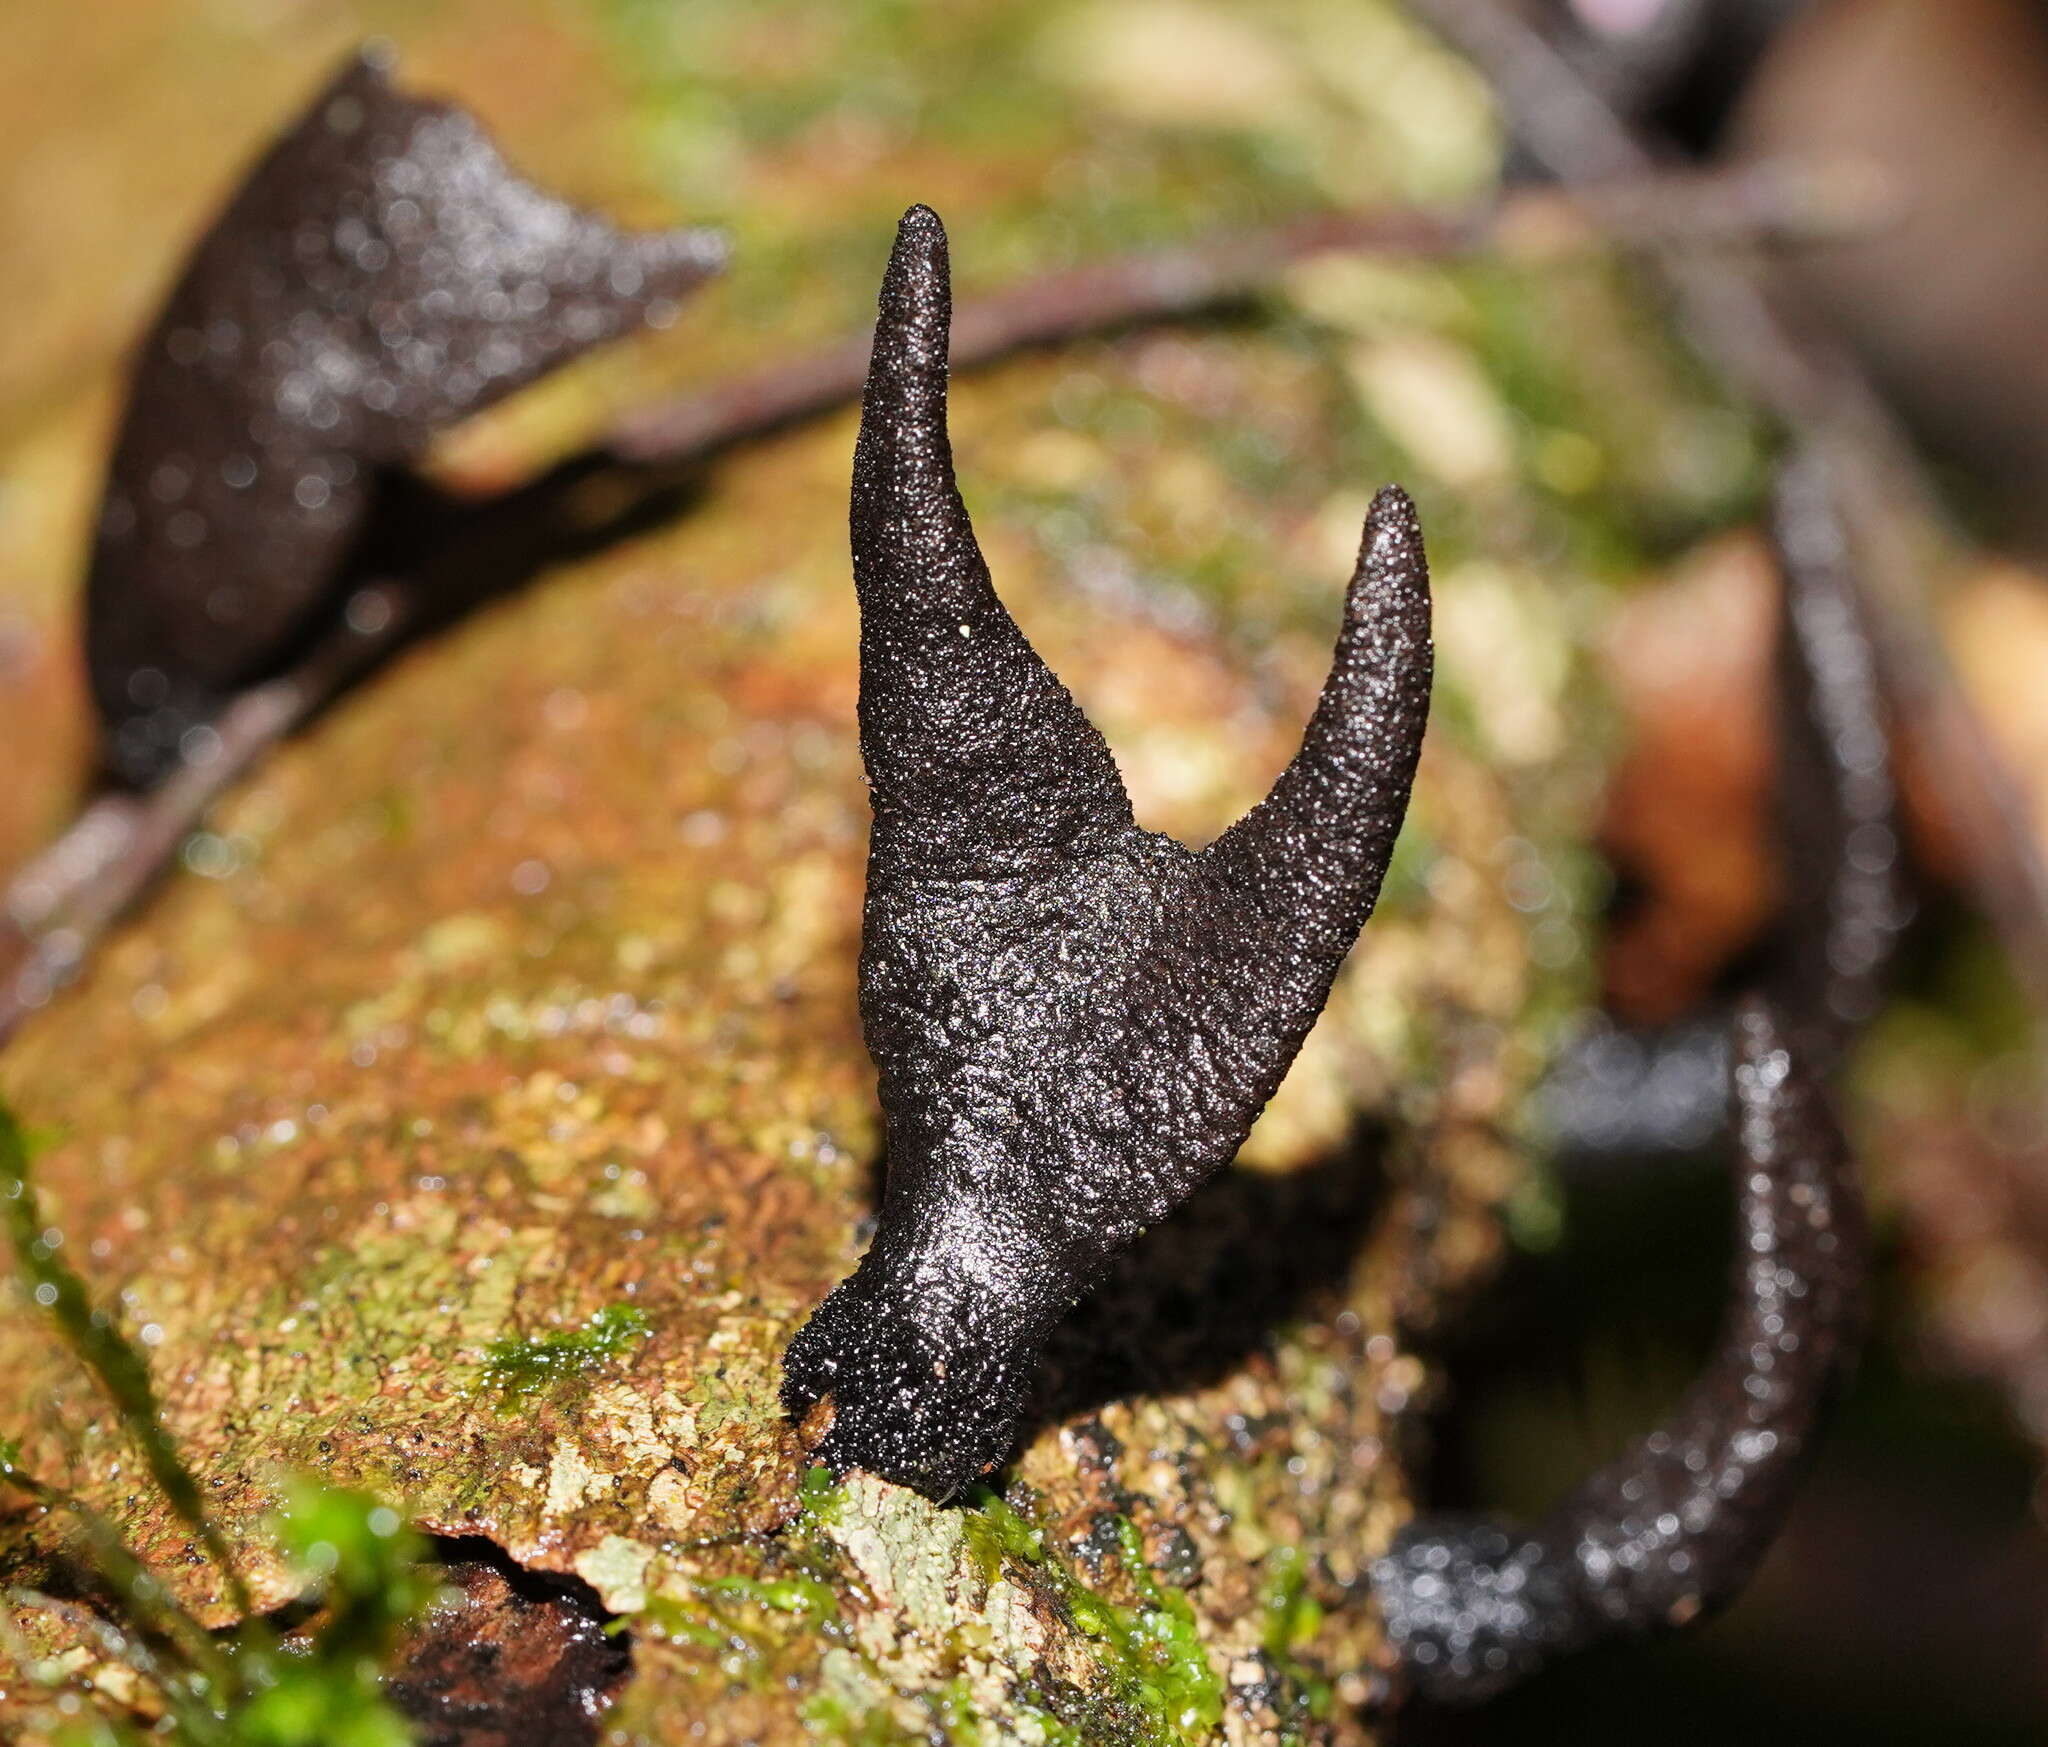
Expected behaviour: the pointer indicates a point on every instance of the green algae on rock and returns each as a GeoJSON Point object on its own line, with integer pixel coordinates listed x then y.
{"type": "Point", "coordinates": [516, 1368]}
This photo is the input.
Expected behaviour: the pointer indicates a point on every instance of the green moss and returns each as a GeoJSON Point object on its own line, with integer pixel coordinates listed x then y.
{"type": "Point", "coordinates": [820, 1496]}
{"type": "Point", "coordinates": [806, 1597]}
{"type": "Point", "coordinates": [137, 1596]}
{"type": "Point", "coordinates": [828, 1719]}
{"type": "Point", "coordinates": [667, 1617]}
{"type": "Point", "coordinates": [514, 1370]}
{"type": "Point", "coordinates": [995, 1532]}
{"type": "Point", "coordinates": [1292, 1614]}
{"type": "Point", "coordinates": [724, 1616]}
{"type": "Point", "coordinates": [955, 1711]}
{"type": "Point", "coordinates": [1152, 1653]}
{"type": "Point", "coordinates": [368, 1570]}
{"type": "Point", "coordinates": [1164, 1662]}
{"type": "Point", "coordinates": [955, 1715]}
{"type": "Point", "coordinates": [1293, 1617]}
{"type": "Point", "coordinates": [353, 1552]}
{"type": "Point", "coordinates": [1052, 1731]}
{"type": "Point", "coordinates": [98, 1344]}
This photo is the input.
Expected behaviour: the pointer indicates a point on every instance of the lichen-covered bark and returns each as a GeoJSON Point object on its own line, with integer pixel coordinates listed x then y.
{"type": "Point", "coordinates": [518, 995]}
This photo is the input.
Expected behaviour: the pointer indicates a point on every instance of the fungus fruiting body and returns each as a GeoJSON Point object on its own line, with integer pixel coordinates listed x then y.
{"type": "Point", "coordinates": [380, 274]}
{"type": "Point", "coordinates": [1074, 1020]}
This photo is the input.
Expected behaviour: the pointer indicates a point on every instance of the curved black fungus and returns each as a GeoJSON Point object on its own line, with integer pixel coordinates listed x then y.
{"type": "Point", "coordinates": [381, 274]}
{"type": "Point", "coordinates": [1075, 1021]}
{"type": "Point", "coordinates": [1618, 1092]}
{"type": "Point", "coordinates": [1673, 1529]}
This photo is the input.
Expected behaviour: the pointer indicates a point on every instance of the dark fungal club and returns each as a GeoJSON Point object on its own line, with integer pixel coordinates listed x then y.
{"type": "Point", "coordinates": [1673, 1528]}
{"type": "Point", "coordinates": [1075, 1021]}
{"type": "Point", "coordinates": [381, 274]}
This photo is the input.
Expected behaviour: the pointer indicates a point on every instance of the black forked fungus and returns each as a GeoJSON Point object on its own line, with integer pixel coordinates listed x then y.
{"type": "Point", "coordinates": [1672, 1529]}
{"type": "Point", "coordinates": [1075, 1021]}
{"type": "Point", "coordinates": [381, 274]}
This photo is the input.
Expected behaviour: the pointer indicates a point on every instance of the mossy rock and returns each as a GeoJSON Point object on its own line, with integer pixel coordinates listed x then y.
{"type": "Point", "coordinates": [481, 1110]}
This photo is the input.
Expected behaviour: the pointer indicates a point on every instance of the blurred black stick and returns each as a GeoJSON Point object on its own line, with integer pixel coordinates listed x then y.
{"type": "Point", "coordinates": [1620, 1093]}
{"type": "Point", "coordinates": [1727, 308]}
{"type": "Point", "coordinates": [1683, 209]}
{"type": "Point", "coordinates": [73, 893]}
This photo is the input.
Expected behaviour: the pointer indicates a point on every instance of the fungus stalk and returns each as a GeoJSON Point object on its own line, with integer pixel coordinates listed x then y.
{"type": "Point", "coordinates": [381, 274]}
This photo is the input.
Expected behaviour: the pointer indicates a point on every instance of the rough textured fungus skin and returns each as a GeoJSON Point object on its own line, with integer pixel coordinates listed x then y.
{"type": "Point", "coordinates": [381, 274]}
{"type": "Point", "coordinates": [1075, 1020]}
{"type": "Point", "coordinates": [1672, 1529]}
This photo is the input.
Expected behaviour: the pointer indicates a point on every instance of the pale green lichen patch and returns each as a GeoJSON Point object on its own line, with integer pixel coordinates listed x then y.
{"type": "Point", "coordinates": [617, 1569]}
{"type": "Point", "coordinates": [906, 1549]}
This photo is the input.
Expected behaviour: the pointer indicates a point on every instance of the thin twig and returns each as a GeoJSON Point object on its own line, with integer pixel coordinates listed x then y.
{"type": "Point", "coordinates": [58, 906]}
{"type": "Point", "coordinates": [135, 839]}
{"type": "Point", "coordinates": [1681, 209]}
{"type": "Point", "coordinates": [1728, 309]}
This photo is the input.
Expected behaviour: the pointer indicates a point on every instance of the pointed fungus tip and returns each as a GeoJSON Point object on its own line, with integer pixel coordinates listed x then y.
{"type": "Point", "coordinates": [1391, 502]}
{"type": "Point", "coordinates": [920, 275]}
{"type": "Point", "coordinates": [1392, 528]}
{"type": "Point", "coordinates": [916, 302]}
{"type": "Point", "coordinates": [920, 247]}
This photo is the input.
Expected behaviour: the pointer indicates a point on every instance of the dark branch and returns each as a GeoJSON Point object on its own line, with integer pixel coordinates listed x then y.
{"type": "Point", "coordinates": [1836, 801]}
{"type": "Point", "coordinates": [1685, 209]}
{"type": "Point", "coordinates": [132, 841]}
{"type": "Point", "coordinates": [1619, 1093]}
{"type": "Point", "coordinates": [1729, 309]}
